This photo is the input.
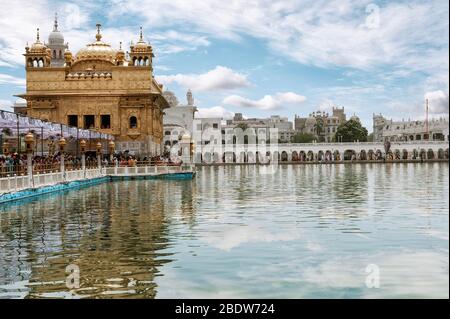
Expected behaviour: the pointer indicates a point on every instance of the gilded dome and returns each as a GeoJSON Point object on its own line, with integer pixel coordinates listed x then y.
{"type": "Point", "coordinates": [38, 46]}
{"type": "Point", "coordinates": [98, 50]}
{"type": "Point", "coordinates": [141, 45]}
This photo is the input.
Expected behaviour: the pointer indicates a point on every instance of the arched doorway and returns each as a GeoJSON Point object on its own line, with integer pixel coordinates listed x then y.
{"type": "Point", "coordinates": [337, 156]}
{"type": "Point", "coordinates": [294, 156]}
{"type": "Point", "coordinates": [423, 154]}
{"type": "Point", "coordinates": [302, 156]}
{"type": "Point", "coordinates": [363, 155]}
{"type": "Point", "coordinates": [430, 154]}
{"type": "Point", "coordinates": [349, 155]}
{"type": "Point", "coordinates": [284, 156]}
{"type": "Point", "coordinates": [320, 156]}
{"type": "Point", "coordinates": [378, 155]}
{"type": "Point", "coordinates": [405, 155]}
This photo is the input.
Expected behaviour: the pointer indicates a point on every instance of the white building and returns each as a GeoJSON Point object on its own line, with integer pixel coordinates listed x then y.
{"type": "Point", "coordinates": [390, 130]}
{"type": "Point", "coordinates": [178, 119]}
{"type": "Point", "coordinates": [282, 124]}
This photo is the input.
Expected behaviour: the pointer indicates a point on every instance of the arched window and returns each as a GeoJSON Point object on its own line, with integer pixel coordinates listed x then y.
{"type": "Point", "coordinates": [146, 61]}
{"type": "Point", "coordinates": [133, 122]}
{"type": "Point", "coordinates": [60, 54]}
{"type": "Point", "coordinates": [135, 62]}
{"type": "Point", "coordinates": [54, 54]}
{"type": "Point", "coordinates": [30, 62]}
{"type": "Point", "coordinates": [141, 62]}
{"type": "Point", "coordinates": [35, 63]}
{"type": "Point", "coordinates": [41, 63]}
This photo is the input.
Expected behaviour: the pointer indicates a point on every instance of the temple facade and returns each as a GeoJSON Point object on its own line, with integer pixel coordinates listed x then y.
{"type": "Point", "coordinates": [97, 88]}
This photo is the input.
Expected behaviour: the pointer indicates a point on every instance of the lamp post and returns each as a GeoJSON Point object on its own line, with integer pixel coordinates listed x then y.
{"type": "Point", "coordinates": [83, 156]}
{"type": "Point", "coordinates": [29, 141]}
{"type": "Point", "coordinates": [5, 148]}
{"type": "Point", "coordinates": [112, 148]}
{"type": "Point", "coordinates": [99, 155]}
{"type": "Point", "coordinates": [62, 143]}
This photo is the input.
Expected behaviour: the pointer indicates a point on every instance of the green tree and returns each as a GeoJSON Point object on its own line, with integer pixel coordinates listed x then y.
{"type": "Point", "coordinates": [351, 131]}
{"type": "Point", "coordinates": [303, 138]}
{"type": "Point", "coordinates": [370, 137]}
{"type": "Point", "coordinates": [319, 127]}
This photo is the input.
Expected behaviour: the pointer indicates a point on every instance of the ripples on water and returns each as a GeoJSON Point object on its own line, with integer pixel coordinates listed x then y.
{"type": "Point", "coordinates": [306, 231]}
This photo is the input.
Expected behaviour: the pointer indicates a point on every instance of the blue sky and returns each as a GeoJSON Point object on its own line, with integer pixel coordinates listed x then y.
{"type": "Point", "coordinates": [261, 57]}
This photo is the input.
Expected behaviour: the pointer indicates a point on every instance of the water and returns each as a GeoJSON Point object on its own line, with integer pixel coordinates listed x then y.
{"type": "Point", "coordinates": [304, 232]}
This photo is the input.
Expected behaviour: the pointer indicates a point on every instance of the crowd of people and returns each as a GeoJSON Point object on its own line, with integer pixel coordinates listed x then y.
{"type": "Point", "coordinates": [16, 164]}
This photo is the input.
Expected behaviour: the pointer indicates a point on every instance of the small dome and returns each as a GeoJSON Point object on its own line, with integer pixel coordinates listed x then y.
{"type": "Point", "coordinates": [355, 118]}
{"type": "Point", "coordinates": [56, 38]}
{"type": "Point", "coordinates": [170, 98]}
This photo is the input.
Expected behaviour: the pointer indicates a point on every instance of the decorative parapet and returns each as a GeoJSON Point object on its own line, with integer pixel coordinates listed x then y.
{"type": "Point", "coordinates": [89, 76]}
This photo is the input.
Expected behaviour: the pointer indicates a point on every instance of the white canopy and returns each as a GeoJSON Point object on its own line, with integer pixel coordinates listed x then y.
{"type": "Point", "coordinates": [47, 129]}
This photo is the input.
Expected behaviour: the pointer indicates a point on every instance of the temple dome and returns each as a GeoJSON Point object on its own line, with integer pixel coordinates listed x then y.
{"type": "Point", "coordinates": [98, 50]}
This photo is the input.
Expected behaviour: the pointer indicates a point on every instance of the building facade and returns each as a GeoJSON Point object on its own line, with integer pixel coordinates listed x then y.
{"type": "Point", "coordinates": [281, 124]}
{"type": "Point", "coordinates": [321, 124]}
{"type": "Point", "coordinates": [98, 88]}
{"type": "Point", "coordinates": [178, 119]}
{"type": "Point", "coordinates": [390, 130]}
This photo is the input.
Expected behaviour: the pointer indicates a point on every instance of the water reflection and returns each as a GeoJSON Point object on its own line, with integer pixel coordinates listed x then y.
{"type": "Point", "coordinates": [114, 233]}
{"type": "Point", "coordinates": [303, 231]}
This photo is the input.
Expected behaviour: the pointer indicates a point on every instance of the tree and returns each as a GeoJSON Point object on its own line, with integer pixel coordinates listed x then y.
{"type": "Point", "coordinates": [370, 137]}
{"type": "Point", "coordinates": [318, 127]}
{"type": "Point", "coordinates": [351, 131]}
{"type": "Point", "coordinates": [303, 138]}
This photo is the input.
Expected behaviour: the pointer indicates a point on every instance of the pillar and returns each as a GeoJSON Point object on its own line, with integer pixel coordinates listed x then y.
{"type": "Point", "coordinates": [83, 157]}
{"type": "Point", "coordinates": [187, 149]}
{"type": "Point", "coordinates": [99, 155]}
{"type": "Point", "coordinates": [62, 143]}
{"type": "Point", "coordinates": [29, 141]}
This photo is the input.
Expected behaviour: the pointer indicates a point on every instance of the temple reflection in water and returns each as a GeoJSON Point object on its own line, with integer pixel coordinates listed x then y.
{"type": "Point", "coordinates": [108, 231]}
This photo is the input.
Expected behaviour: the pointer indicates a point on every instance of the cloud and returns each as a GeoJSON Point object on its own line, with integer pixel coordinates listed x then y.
{"type": "Point", "coordinates": [214, 112]}
{"type": "Point", "coordinates": [438, 102]}
{"type": "Point", "coordinates": [268, 102]}
{"type": "Point", "coordinates": [220, 78]}
{"type": "Point", "coordinates": [6, 105]}
{"type": "Point", "coordinates": [411, 35]}
{"type": "Point", "coordinates": [9, 79]}
{"type": "Point", "coordinates": [235, 236]}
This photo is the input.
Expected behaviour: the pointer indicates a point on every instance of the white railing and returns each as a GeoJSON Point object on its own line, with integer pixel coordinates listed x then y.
{"type": "Point", "coordinates": [18, 183]}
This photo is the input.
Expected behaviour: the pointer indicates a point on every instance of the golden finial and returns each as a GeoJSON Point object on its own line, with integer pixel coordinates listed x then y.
{"type": "Point", "coordinates": [140, 36]}
{"type": "Point", "coordinates": [37, 36]}
{"type": "Point", "coordinates": [120, 45]}
{"type": "Point", "coordinates": [98, 36]}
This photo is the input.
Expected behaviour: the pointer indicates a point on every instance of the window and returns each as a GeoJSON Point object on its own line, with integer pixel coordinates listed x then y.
{"type": "Point", "coordinates": [105, 122]}
{"type": "Point", "coordinates": [215, 125]}
{"type": "Point", "coordinates": [133, 122]}
{"type": "Point", "coordinates": [89, 121]}
{"type": "Point", "coordinates": [167, 133]}
{"type": "Point", "coordinates": [72, 120]}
